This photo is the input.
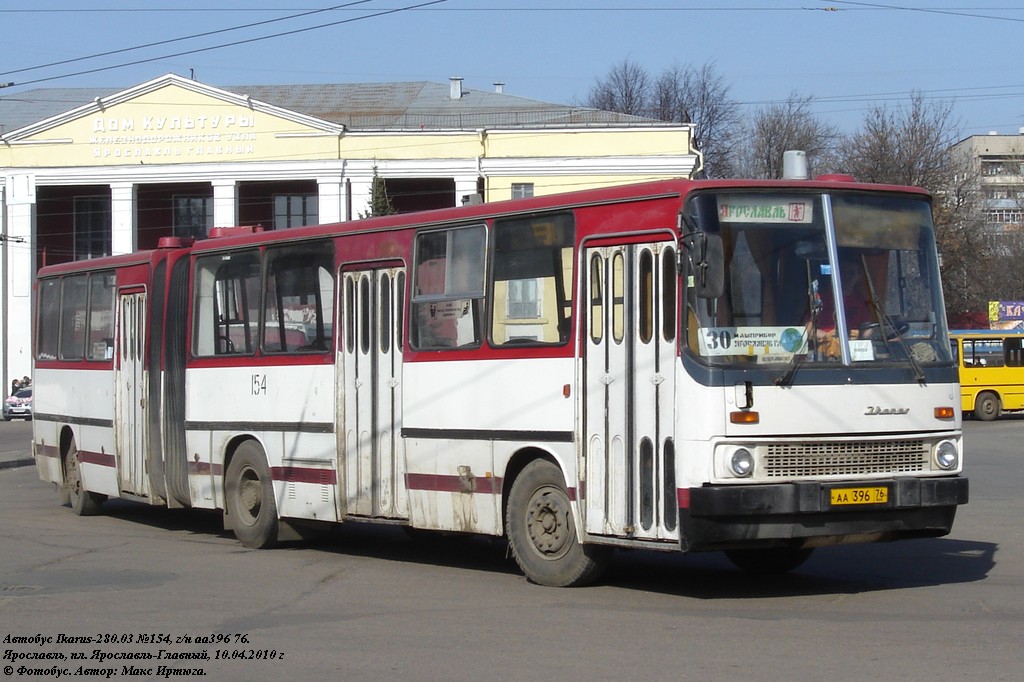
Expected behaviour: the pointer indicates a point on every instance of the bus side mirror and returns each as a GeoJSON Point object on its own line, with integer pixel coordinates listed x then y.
{"type": "Point", "coordinates": [707, 263]}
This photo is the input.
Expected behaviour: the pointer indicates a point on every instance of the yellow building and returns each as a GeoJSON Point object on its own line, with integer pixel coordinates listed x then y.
{"type": "Point", "coordinates": [87, 172]}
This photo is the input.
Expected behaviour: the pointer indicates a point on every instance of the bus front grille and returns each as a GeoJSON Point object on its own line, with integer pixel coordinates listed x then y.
{"type": "Point", "coordinates": [845, 458]}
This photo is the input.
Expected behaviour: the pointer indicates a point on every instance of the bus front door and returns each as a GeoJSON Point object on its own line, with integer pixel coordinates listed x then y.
{"type": "Point", "coordinates": [130, 392]}
{"type": "Point", "coordinates": [630, 294]}
{"type": "Point", "coordinates": [373, 452]}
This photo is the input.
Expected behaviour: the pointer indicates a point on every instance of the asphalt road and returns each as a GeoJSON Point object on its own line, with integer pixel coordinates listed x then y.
{"type": "Point", "coordinates": [369, 603]}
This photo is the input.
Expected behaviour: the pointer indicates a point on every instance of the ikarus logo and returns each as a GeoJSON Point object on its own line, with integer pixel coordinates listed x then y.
{"type": "Point", "coordinates": [875, 411]}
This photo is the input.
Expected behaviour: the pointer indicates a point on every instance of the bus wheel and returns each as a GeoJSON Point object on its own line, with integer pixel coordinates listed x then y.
{"type": "Point", "coordinates": [542, 532]}
{"type": "Point", "coordinates": [987, 407]}
{"type": "Point", "coordinates": [83, 502]}
{"type": "Point", "coordinates": [249, 498]}
{"type": "Point", "coordinates": [771, 561]}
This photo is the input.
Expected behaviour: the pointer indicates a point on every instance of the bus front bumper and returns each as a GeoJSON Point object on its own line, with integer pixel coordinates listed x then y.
{"type": "Point", "coordinates": [805, 515]}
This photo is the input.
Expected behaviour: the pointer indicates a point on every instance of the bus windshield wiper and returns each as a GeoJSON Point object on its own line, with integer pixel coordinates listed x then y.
{"type": "Point", "coordinates": [787, 377]}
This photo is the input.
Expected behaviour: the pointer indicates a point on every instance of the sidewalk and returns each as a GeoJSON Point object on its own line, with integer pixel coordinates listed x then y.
{"type": "Point", "coordinates": [16, 455]}
{"type": "Point", "coordinates": [10, 460]}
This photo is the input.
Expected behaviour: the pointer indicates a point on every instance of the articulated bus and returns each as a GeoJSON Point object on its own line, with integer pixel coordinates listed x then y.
{"type": "Point", "coordinates": [991, 371]}
{"type": "Point", "coordinates": [677, 365]}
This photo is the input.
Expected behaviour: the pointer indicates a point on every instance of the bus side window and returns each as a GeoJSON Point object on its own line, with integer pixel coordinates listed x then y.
{"type": "Point", "coordinates": [226, 309]}
{"type": "Point", "coordinates": [73, 313]}
{"type": "Point", "coordinates": [48, 319]}
{"type": "Point", "coordinates": [101, 316]}
{"type": "Point", "coordinates": [532, 275]}
{"type": "Point", "coordinates": [1012, 352]}
{"type": "Point", "coordinates": [448, 290]}
{"type": "Point", "coordinates": [299, 299]}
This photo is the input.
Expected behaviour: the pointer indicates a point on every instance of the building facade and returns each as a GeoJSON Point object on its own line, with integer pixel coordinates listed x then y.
{"type": "Point", "coordinates": [998, 165]}
{"type": "Point", "coordinates": [86, 173]}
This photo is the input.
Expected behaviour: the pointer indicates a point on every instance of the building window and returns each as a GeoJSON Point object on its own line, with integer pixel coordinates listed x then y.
{"type": "Point", "coordinates": [92, 227]}
{"type": "Point", "coordinates": [193, 216]}
{"type": "Point", "coordinates": [523, 299]}
{"type": "Point", "coordinates": [1006, 217]}
{"type": "Point", "coordinates": [295, 210]}
{"type": "Point", "coordinates": [522, 190]}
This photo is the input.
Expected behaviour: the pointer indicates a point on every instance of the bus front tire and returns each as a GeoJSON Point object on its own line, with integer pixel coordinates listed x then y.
{"type": "Point", "coordinates": [987, 407]}
{"type": "Point", "coordinates": [83, 502]}
{"type": "Point", "coordinates": [769, 561]}
{"type": "Point", "coordinates": [542, 532]}
{"type": "Point", "coordinates": [249, 498]}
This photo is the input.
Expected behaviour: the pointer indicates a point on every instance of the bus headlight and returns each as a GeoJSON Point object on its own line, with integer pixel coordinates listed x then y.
{"type": "Point", "coordinates": [946, 455]}
{"type": "Point", "coordinates": [741, 462]}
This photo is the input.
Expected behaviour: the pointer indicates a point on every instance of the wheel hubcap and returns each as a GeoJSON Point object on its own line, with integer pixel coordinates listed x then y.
{"type": "Point", "coordinates": [547, 522]}
{"type": "Point", "coordinates": [74, 481]}
{"type": "Point", "coordinates": [250, 495]}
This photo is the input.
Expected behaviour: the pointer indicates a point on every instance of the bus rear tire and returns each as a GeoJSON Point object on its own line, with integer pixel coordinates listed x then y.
{"type": "Point", "coordinates": [249, 498]}
{"type": "Point", "coordinates": [769, 561]}
{"type": "Point", "coordinates": [83, 502]}
{"type": "Point", "coordinates": [542, 531]}
{"type": "Point", "coordinates": [987, 407]}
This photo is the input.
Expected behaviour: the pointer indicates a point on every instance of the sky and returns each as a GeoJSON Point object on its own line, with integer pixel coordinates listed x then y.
{"type": "Point", "coordinates": [849, 57]}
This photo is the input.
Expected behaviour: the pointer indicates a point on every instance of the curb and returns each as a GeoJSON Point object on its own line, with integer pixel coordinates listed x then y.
{"type": "Point", "coordinates": [14, 463]}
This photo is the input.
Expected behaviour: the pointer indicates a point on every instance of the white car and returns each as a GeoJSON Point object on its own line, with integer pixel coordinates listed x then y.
{"type": "Point", "coordinates": [19, 405]}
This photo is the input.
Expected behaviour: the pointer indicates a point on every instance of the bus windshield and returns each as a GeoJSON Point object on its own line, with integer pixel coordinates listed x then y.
{"type": "Point", "coordinates": [843, 278]}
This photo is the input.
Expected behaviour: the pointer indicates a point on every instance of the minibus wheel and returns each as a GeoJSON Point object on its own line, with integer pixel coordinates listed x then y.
{"type": "Point", "coordinates": [249, 497]}
{"type": "Point", "coordinates": [542, 531]}
{"type": "Point", "coordinates": [987, 407]}
{"type": "Point", "coordinates": [83, 502]}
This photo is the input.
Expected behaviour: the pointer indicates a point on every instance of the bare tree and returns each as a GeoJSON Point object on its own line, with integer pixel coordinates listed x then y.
{"type": "Point", "coordinates": [904, 146]}
{"type": "Point", "coordinates": [626, 89]}
{"type": "Point", "coordinates": [699, 95]}
{"type": "Point", "coordinates": [780, 127]}
{"type": "Point", "coordinates": [910, 145]}
{"type": "Point", "coordinates": [968, 260]}
{"type": "Point", "coordinates": [696, 95]}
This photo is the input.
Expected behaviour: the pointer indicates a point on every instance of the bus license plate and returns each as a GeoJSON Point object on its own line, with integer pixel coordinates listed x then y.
{"type": "Point", "coordinates": [867, 495]}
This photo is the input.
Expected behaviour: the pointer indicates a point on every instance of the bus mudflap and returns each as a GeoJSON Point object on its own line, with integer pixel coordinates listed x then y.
{"type": "Point", "coordinates": [810, 514]}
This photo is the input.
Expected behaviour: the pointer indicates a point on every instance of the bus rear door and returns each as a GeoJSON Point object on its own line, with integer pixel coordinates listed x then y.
{"type": "Point", "coordinates": [373, 454]}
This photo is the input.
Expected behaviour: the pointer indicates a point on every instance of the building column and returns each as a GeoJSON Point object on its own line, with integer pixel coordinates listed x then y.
{"type": "Point", "coordinates": [465, 189]}
{"type": "Point", "coordinates": [123, 231]}
{"type": "Point", "coordinates": [18, 245]}
{"type": "Point", "coordinates": [225, 203]}
{"type": "Point", "coordinates": [330, 200]}
{"type": "Point", "coordinates": [359, 195]}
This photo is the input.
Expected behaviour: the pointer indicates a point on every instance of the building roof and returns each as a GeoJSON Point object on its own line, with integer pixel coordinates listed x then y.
{"type": "Point", "coordinates": [375, 106]}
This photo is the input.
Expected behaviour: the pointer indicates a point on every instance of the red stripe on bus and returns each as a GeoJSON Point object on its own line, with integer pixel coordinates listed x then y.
{"type": "Point", "coordinates": [47, 451]}
{"type": "Point", "coordinates": [304, 475]}
{"type": "Point", "coordinates": [99, 458]}
{"type": "Point", "coordinates": [442, 483]}
{"type": "Point", "coordinates": [205, 469]}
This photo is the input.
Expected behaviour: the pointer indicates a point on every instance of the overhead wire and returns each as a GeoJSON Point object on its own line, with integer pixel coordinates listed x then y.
{"type": "Point", "coordinates": [235, 43]}
{"type": "Point", "coordinates": [182, 38]}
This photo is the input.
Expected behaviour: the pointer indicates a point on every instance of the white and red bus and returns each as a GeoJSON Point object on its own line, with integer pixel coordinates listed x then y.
{"type": "Point", "coordinates": [658, 366]}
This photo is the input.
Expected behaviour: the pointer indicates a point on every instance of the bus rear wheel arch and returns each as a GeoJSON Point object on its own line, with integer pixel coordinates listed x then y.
{"type": "Point", "coordinates": [249, 503]}
{"type": "Point", "coordinates": [987, 406]}
{"type": "Point", "coordinates": [542, 534]}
